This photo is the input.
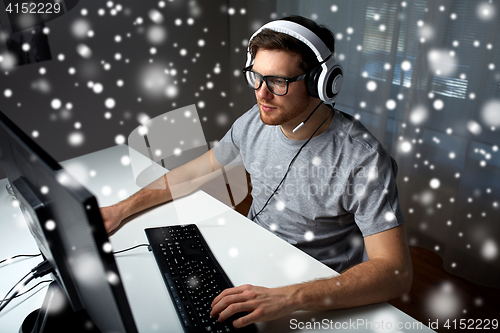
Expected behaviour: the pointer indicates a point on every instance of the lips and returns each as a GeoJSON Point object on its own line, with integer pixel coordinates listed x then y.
{"type": "Point", "coordinates": [267, 108]}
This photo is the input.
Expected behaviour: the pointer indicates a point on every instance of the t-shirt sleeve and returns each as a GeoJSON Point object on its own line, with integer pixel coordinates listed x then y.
{"type": "Point", "coordinates": [372, 194]}
{"type": "Point", "coordinates": [226, 150]}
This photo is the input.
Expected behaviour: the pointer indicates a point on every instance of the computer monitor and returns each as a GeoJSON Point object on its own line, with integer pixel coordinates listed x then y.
{"type": "Point", "coordinates": [65, 221]}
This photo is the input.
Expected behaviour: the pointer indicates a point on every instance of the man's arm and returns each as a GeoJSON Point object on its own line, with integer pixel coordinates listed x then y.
{"type": "Point", "coordinates": [386, 275]}
{"type": "Point", "coordinates": [179, 182]}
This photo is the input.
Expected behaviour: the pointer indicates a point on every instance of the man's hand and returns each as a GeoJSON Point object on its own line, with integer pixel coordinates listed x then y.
{"type": "Point", "coordinates": [262, 304]}
{"type": "Point", "coordinates": [386, 275]}
{"type": "Point", "coordinates": [112, 217]}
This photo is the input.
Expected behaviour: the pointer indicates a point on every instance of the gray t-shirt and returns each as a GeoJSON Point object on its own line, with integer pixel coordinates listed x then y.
{"type": "Point", "coordinates": [341, 187]}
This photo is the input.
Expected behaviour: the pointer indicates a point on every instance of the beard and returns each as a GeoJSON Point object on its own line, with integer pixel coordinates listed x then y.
{"type": "Point", "coordinates": [282, 114]}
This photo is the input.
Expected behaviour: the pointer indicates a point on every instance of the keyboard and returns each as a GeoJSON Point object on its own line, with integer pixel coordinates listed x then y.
{"type": "Point", "coordinates": [193, 277]}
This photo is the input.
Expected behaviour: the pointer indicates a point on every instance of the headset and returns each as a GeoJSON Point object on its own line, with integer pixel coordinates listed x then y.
{"type": "Point", "coordinates": [325, 80]}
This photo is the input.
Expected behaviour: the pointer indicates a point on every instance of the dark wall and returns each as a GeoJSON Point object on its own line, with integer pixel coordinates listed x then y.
{"type": "Point", "coordinates": [198, 62]}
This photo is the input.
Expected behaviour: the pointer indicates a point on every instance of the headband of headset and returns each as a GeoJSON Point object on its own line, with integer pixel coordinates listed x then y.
{"type": "Point", "coordinates": [330, 72]}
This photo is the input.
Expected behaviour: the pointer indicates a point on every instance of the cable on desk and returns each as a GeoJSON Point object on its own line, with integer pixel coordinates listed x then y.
{"type": "Point", "coordinates": [24, 277]}
{"type": "Point", "coordinates": [20, 255]}
{"type": "Point", "coordinates": [27, 291]}
{"type": "Point", "coordinates": [133, 247]}
{"type": "Point", "coordinates": [39, 270]}
{"type": "Point", "coordinates": [6, 300]}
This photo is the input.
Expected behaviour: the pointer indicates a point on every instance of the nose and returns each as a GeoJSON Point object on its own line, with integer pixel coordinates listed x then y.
{"type": "Point", "coordinates": [263, 92]}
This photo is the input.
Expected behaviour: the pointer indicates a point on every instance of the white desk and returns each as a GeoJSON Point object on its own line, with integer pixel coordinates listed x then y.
{"type": "Point", "coordinates": [247, 252]}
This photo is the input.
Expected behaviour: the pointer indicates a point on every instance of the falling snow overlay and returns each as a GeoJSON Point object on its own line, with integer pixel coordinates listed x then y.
{"type": "Point", "coordinates": [113, 61]}
{"type": "Point", "coordinates": [422, 76]}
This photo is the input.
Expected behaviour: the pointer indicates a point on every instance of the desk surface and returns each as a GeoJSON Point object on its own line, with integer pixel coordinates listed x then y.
{"type": "Point", "coordinates": [247, 252]}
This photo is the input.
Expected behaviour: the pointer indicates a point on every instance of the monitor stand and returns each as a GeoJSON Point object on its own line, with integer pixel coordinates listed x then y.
{"type": "Point", "coordinates": [57, 316]}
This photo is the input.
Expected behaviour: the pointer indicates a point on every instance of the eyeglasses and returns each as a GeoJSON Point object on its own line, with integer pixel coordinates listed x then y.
{"type": "Point", "coordinates": [278, 85]}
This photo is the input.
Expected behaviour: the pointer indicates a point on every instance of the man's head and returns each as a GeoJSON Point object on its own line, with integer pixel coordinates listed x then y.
{"type": "Point", "coordinates": [301, 51]}
{"type": "Point", "coordinates": [272, 40]}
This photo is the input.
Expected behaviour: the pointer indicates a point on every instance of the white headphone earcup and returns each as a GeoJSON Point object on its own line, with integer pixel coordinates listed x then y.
{"type": "Point", "coordinates": [330, 80]}
{"type": "Point", "coordinates": [337, 83]}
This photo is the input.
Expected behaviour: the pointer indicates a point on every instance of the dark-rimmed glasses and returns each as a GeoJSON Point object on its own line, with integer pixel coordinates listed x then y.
{"type": "Point", "coordinates": [278, 85]}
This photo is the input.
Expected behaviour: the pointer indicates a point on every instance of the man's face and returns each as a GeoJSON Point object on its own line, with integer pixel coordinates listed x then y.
{"type": "Point", "coordinates": [279, 110]}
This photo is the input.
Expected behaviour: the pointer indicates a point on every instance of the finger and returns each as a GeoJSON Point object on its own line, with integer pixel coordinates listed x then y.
{"type": "Point", "coordinates": [253, 317]}
{"type": "Point", "coordinates": [230, 300]}
{"type": "Point", "coordinates": [235, 308]}
{"type": "Point", "coordinates": [223, 303]}
{"type": "Point", "coordinates": [221, 296]}
{"type": "Point", "coordinates": [227, 292]}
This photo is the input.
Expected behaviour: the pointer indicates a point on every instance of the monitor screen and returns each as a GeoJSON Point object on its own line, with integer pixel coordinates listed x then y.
{"type": "Point", "coordinates": [66, 223]}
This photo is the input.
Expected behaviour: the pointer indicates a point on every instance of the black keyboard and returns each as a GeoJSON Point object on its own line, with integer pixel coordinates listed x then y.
{"type": "Point", "coordinates": [193, 277]}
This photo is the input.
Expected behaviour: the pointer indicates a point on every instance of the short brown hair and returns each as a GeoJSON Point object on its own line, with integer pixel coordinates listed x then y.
{"type": "Point", "coordinates": [272, 40]}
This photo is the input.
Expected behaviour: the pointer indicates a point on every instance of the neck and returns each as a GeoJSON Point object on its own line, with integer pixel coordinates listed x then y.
{"type": "Point", "coordinates": [316, 117]}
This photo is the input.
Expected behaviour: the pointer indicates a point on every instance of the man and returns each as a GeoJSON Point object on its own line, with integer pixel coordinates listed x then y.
{"type": "Point", "coordinates": [327, 187]}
